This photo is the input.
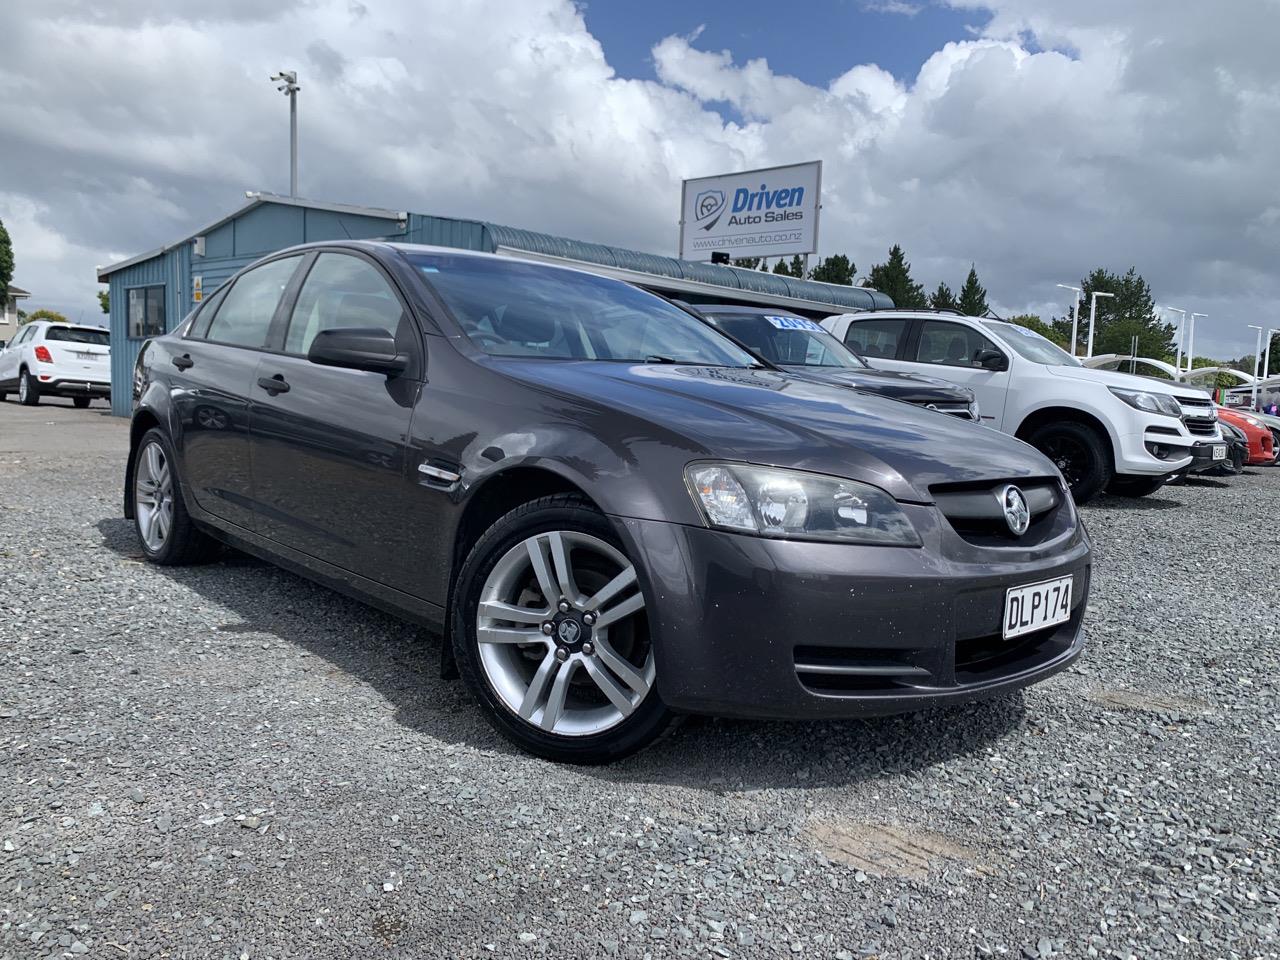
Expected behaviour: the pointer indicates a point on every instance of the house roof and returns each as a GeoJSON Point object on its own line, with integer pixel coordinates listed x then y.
{"type": "Point", "coordinates": [255, 199]}
{"type": "Point", "coordinates": [17, 293]}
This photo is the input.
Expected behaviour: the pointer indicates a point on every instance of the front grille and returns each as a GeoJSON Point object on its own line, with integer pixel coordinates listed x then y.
{"type": "Point", "coordinates": [1199, 416]}
{"type": "Point", "coordinates": [976, 512]}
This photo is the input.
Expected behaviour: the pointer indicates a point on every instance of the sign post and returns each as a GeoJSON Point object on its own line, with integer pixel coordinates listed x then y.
{"type": "Point", "coordinates": [758, 213]}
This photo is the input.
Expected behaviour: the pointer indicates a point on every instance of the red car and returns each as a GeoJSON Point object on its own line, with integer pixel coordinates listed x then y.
{"type": "Point", "coordinates": [1261, 443]}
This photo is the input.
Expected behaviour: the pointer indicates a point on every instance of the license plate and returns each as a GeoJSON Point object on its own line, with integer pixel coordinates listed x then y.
{"type": "Point", "coordinates": [1219, 451]}
{"type": "Point", "coordinates": [1036, 606]}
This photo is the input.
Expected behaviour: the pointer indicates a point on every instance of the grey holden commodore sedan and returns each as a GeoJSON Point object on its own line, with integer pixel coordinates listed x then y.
{"type": "Point", "coordinates": [613, 513]}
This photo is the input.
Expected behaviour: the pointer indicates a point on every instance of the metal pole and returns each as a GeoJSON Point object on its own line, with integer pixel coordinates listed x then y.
{"type": "Point", "coordinates": [1093, 309]}
{"type": "Point", "coordinates": [293, 141]}
{"type": "Point", "coordinates": [1257, 358]}
{"type": "Point", "coordinates": [1075, 314]}
{"type": "Point", "coordinates": [1191, 340]}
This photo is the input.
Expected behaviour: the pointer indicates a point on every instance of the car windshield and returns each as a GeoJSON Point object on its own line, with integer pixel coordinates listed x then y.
{"type": "Point", "coordinates": [99, 338]}
{"type": "Point", "coordinates": [1031, 345]}
{"type": "Point", "coordinates": [787, 340]}
{"type": "Point", "coordinates": [512, 309]}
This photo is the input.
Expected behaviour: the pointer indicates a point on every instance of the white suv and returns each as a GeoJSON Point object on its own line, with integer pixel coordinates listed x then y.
{"type": "Point", "coordinates": [1104, 430]}
{"type": "Point", "coordinates": [48, 359]}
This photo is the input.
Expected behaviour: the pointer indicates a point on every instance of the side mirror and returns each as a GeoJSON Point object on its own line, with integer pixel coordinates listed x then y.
{"type": "Point", "coordinates": [992, 360]}
{"type": "Point", "coordinates": [358, 348]}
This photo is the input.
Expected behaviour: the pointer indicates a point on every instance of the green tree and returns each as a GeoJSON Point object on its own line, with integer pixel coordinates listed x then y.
{"type": "Point", "coordinates": [1130, 313]}
{"type": "Point", "coordinates": [747, 263]}
{"type": "Point", "coordinates": [835, 269]}
{"type": "Point", "coordinates": [973, 296]}
{"type": "Point", "coordinates": [794, 268]}
{"type": "Point", "coordinates": [6, 262]}
{"type": "Point", "coordinates": [43, 314]}
{"type": "Point", "coordinates": [104, 301]}
{"type": "Point", "coordinates": [943, 299]}
{"type": "Point", "coordinates": [1033, 322]}
{"type": "Point", "coordinates": [894, 280]}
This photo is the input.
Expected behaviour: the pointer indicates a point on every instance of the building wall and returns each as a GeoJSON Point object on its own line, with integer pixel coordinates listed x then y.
{"type": "Point", "coordinates": [231, 247]}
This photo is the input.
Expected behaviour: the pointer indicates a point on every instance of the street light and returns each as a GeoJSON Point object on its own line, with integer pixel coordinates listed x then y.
{"type": "Point", "coordinates": [1093, 309]}
{"type": "Point", "coordinates": [1191, 340]}
{"type": "Point", "coordinates": [288, 85]}
{"type": "Point", "coordinates": [1075, 319]}
{"type": "Point", "coordinates": [1177, 362]}
{"type": "Point", "coordinates": [1257, 358]}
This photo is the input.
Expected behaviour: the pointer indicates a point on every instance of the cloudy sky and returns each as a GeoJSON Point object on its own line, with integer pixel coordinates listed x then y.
{"type": "Point", "coordinates": [1037, 138]}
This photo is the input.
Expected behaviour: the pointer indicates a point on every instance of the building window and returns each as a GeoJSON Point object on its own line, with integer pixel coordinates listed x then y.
{"type": "Point", "coordinates": [146, 311]}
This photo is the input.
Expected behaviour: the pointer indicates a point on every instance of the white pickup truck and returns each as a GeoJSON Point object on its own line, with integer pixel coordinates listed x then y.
{"type": "Point", "coordinates": [1104, 430]}
{"type": "Point", "coordinates": [49, 359]}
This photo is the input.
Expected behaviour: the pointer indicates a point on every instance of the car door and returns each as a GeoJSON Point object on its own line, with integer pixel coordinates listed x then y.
{"type": "Point", "coordinates": [211, 372]}
{"type": "Point", "coordinates": [10, 358]}
{"type": "Point", "coordinates": [329, 443]}
{"type": "Point", "coordinates": [950, 351]}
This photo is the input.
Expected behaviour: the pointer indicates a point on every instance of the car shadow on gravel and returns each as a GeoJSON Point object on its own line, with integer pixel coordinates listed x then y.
{"type": "Point", "coordinates": [402, 663]}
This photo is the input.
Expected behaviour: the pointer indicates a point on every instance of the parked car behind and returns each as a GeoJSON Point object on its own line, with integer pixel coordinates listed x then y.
{"type": "Point", "coordinates": [50, 359]}
{"type": "Point", "coordinates": [1104, 430]}
{"type": "Point", "coordinates": [617, 512]}
{"type": "Point", "coordinates": [1261, 444]}
{"type": "Point", "coordinates": [801, 346]}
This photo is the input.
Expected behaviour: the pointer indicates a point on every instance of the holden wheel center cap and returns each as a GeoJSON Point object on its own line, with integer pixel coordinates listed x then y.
{"type": "Point", "coordinates": [570, 631]}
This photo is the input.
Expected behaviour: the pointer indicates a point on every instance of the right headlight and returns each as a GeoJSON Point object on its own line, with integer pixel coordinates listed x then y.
{"type": "Point", "coordinates": [794, 505]}
{"type": "Point", "coordinates": [1160, 403]}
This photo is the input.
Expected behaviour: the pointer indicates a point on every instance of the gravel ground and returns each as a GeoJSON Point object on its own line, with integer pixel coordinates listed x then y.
{"type": "Point", "coordinates": [227, 761]}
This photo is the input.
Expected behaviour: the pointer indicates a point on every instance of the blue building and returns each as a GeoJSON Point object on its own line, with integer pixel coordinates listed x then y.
{"type": "Point", "coordinates": [152, 292]}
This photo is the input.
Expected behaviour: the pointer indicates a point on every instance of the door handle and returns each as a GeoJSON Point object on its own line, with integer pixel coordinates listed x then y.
{"type": "Point", "coordinates": [274, 385]}
{"type": "Point", "coordinates": [183, 362]}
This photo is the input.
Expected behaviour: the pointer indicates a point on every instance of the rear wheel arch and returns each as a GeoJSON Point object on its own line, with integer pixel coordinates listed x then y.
{"type": "Point", "coordinates": [143, 421]}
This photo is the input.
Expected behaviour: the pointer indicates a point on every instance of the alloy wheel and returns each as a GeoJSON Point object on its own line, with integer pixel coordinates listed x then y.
{"type": "Point", "coordinates": [153, 496]}
{"type": "Point", "coordinates": [1069, 456]}
{"type": "Point", "coordinates": [24, 390]}
{"type": "Point", "coordinates": [562, 634]}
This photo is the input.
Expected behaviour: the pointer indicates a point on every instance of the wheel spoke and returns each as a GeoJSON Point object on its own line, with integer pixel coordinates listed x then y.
{"type": "Point", "coordinates": [631, 605]}
{"type": "Point", "coordinates": [164, 517]}
{"type": "Point", "coordinates": [538, 686]}
{"type": "Point", "coordinates": [564, 572]}
{"type": "Point", "coordinates": [555, 699]}
{"type": "Point", "coordinates": [153, 462]}
{"type": "Point", "coordinates": [609, 686]}
{"type": "Point", "coordinates": [497, 610]}
{"type": "Point", "coordinates": [541, 570]}
{"type": "Point", "coordinates": [611, 589]}
{"type": "Point", "coordinates": [145, 498]}
{"type": "Point", "coordinates": [162, 481]}
{"type": "Point", "coordinates": [625, 671]}
{"type": "Point", "coordinates": [509, 635]}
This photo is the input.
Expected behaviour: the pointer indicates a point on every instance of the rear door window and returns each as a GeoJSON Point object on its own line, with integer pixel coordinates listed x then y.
{"type": "Point", "coordinates": [877, 338]}
{"type": "Point", "coordinates": [244, 317]}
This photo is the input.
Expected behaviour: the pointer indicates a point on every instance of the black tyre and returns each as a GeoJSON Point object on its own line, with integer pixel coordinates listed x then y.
{"type": "Point", "coordinates": [28, 389]}
{"type": "Point", "coordinates": [551, 636]}
{"type": "Point", "coordinates": [80, 403]}
{"type": "Point", "coordinates": [1122, 486]}
{"type": "Point", "coordinates": [1080, 453]}
{"type": "Point", "coordinates": [164, 527]}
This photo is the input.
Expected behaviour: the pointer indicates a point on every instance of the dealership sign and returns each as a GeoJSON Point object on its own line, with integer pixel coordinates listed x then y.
{"type": "Point", "coordinates": [759, 213]}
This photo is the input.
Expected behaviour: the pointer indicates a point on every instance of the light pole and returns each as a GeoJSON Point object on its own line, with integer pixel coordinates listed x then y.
{"type": "Point", "coordinates": [1093, 309]}
{"type": "Point", "coordinates": [288, 85]}
{"type": "Point", "coordinates": [1191, 340]}
{"type": "Point", "coordinates": [1075, 319]}
{"type": "Point", "coordinates": [1257, 358]}
{"type": "Point", "coordinates": [1177, 362]}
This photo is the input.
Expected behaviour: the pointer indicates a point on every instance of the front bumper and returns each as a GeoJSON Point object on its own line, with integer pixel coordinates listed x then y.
{"type": "Point", "coordinates": [1202, 458]}
{"type": "Point", "coordinates": [752, 627]}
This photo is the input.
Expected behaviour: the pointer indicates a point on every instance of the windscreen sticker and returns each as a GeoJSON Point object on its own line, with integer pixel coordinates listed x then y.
{"type": "Point", "coordinates": [793, 323]}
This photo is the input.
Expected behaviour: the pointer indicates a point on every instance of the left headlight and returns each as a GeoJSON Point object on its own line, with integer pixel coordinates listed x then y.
{"type": "Point", "coordinates": [794, 505]}
{"type": "Point", "coordinates": [1160, 403]}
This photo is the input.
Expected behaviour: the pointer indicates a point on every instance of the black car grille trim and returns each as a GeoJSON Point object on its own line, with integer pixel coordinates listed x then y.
{"type": "Point", "coordinates": [1164, 431]}
{"type": "Point", "coordinates": [1202, 428]}
{"type": "Point", "coordinates": [976, 514]}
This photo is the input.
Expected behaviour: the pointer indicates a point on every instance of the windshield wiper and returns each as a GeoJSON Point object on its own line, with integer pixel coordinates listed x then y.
{"type": "Point", "coordinates": [658, 358]}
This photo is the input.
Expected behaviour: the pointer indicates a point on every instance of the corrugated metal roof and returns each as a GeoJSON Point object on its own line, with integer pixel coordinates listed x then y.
{"type": "Point", "coordinates": [773, 284]}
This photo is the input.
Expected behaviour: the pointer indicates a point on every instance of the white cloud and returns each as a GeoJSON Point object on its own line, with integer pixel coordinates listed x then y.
{"type": "Point", "coordinates": [898, 7]}
{"type": "Point", "coordinates": [1061, 138]}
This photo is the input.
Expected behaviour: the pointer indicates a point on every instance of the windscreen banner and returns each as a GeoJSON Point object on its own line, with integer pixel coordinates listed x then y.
{"type": "Point", "coordinates": [759, 213]}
